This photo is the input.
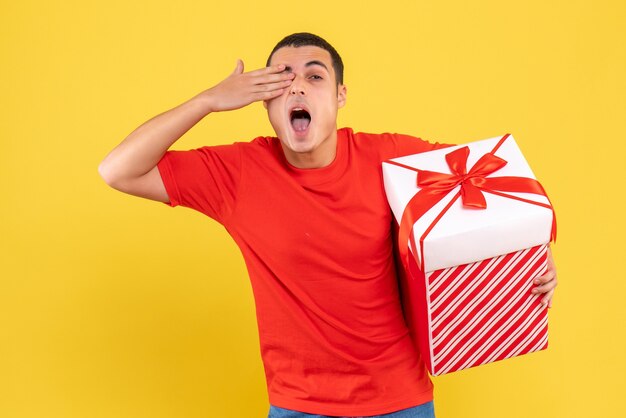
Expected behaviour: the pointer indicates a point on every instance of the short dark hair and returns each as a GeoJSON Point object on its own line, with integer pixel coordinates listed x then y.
{"type": "Point", "coordinates": [308, 39]}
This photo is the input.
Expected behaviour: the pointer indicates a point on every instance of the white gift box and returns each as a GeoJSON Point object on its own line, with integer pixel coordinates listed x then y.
{"type": "Point", "coordinates": [468, 296]}
{"type": "Point", "coordinates": [465, 235]}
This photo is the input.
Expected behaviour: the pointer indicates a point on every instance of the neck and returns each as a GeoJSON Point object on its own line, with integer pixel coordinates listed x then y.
{"type": "Point", "coordinates": [319, 157]}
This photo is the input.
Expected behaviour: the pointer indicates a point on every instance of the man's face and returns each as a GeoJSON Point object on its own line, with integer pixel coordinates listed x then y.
{"type": "Point", "coordinates": [304, 117]}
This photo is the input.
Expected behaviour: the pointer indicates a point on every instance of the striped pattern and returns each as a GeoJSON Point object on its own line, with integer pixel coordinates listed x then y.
{"type": "Point", "coordinates": [484, 311]}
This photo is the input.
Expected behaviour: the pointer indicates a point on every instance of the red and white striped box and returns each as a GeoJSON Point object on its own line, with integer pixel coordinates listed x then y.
{"type": "Point", "coordinates": [474, 226]}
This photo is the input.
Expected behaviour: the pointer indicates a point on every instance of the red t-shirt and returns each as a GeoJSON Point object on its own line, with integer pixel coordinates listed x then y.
{"type": "Point", "coordinates": [318, 248]}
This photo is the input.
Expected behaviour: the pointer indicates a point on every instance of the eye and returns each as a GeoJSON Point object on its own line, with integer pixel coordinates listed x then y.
{"type": "Point", "coordinates": [316, 77]}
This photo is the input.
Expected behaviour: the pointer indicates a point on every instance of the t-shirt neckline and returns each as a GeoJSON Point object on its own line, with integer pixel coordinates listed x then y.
{"type": "Point", "coordinates": [321, 175]}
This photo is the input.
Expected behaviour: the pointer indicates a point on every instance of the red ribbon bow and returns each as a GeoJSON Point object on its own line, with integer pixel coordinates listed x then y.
{"type": "Point", "coordinates": [435, 186]}
{"type": "Point", "coordinates": [471, 182]}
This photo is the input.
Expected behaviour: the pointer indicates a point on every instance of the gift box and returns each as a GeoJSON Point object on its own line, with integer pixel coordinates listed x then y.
{"type": "Point", "coordinates": [473, 229]}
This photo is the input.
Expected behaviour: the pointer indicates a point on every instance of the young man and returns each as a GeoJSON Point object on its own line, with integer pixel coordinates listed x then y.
{"type": "Point", "coordinates": [308, 211]}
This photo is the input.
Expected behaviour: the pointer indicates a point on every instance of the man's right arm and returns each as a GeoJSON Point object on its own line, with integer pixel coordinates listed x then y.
{"type": "Point", "coordinates": [131, 167]}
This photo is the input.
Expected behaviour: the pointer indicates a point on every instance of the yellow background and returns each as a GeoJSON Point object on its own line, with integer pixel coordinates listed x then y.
{"type": "Point", "coordinates": [116, 306]}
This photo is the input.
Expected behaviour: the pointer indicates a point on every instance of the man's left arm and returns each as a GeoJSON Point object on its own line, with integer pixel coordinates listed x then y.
{"type": "Point", "coordinates": [545, 284]}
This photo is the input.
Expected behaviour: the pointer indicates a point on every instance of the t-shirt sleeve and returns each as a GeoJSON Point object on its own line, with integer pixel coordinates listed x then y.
{"type": "Point", "coordinates": [205, 179]}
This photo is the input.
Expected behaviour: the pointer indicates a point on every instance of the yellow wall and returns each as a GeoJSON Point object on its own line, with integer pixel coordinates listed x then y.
{"type": "Point", "coordinates": [115, 306]}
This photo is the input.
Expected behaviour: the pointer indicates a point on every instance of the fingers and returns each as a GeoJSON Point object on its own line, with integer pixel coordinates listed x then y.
{"type": "Point", "coordinates": [265, 81]}
{"type": "Point", "coordinates": [546, 284]}
{"type": "Point", "coordinates": [545, 288]}
{"type": "Point", "coordinates": [238, 67]}
{"type": "Point", "coordinates": [240, 89]}
{"type": "Point", "coordinates": [264, 75]}
{"type": "Point", "coordinates": [273, 78]}
{"type": "Point", "coordinates": [272, 69]}
{"type": "Point", "coordinates": [271, 86]}
{"type": "Point", "coordinates": [547, 299]}
{"type": "Point", "coordinates": [268, 78]}
{"type": "Point", "coordinates": [267, 95]}
{"type": "Point", "coordinates": [547, 281]}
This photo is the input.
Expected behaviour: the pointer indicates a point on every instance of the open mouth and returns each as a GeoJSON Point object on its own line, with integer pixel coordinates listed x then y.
{"type": "Point", "coordinates": [300, 119]}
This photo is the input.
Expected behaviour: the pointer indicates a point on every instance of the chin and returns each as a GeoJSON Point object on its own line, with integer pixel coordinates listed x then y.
{"type": "Point", "coordinates": [298, 141]}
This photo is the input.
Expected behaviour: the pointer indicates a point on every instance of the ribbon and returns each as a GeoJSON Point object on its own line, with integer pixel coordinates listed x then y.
{"type": "Point", "coordinates": [435, 186]}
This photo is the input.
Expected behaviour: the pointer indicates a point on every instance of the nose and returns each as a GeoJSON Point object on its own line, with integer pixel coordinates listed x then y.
{"type": "Point", "coordinates": [297, 87]}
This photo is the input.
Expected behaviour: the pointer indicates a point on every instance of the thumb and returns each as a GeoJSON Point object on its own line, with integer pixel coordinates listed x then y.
{"type": "Point", "coordinates": [239, 67]}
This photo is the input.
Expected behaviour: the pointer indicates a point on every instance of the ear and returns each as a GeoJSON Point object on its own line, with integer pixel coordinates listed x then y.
{"type": "Point", "coordinates": [342, 90]}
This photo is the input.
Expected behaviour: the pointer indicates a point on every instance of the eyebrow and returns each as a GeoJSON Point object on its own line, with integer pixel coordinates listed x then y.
{"type": "Point", "coordinates": [308, 64]}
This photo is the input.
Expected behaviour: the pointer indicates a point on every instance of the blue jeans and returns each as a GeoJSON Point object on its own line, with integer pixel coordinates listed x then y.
{"type": "Point", "coordinates": [426, 410]}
